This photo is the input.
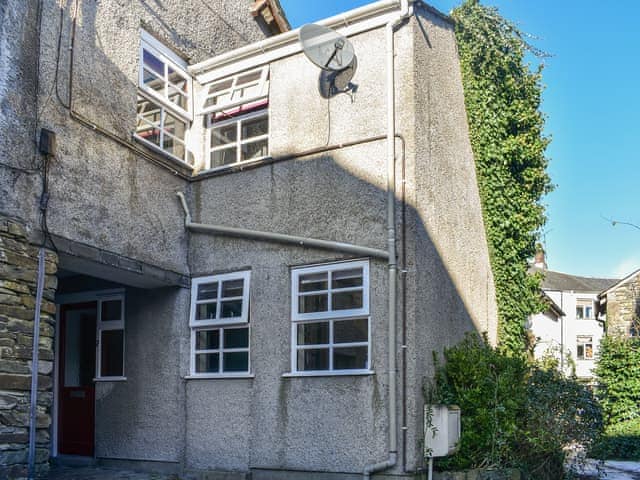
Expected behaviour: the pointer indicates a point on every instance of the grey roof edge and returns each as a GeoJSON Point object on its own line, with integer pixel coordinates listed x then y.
{"type": "Point", "coordinates": [553, 306]}
{"type": "Point", "coordinates": [620, 283]}
{"type": "Point", "coordinates": [561, 281]}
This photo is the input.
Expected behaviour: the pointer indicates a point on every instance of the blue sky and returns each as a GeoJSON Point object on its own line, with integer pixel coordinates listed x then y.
{"type": "Point", "coordinates": [592, 101]}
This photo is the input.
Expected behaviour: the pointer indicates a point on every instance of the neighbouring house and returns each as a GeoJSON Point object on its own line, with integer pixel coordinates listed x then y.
{"type": "Point", "coordinates": [621, 304]}
{"type": "Point", "coordinates": [570, 329]}
{"type": "Point", "coordinates": [276, 318]}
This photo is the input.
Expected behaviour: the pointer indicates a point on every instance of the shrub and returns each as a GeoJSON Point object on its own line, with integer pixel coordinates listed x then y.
{"type": "Point", "coordinates": [620, 441]}
{"type": "Point", "coordinates": [514, 414]}
{"type": "Point", "coordinates": [618, 373]}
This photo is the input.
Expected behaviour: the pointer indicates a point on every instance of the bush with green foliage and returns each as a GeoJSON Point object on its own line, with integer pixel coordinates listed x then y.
{"type": "Point", "coordinates": [502, 98]}
{"type": "Point", "coordinates": [618, 375]}
{"type": "Point", "coordinates": [621, 441]}
{"type": "Point", "coordinates": [514, 414]}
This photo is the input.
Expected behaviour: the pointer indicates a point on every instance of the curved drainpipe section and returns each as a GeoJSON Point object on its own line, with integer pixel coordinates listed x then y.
{"type": "Point", "coordinates": [277, 237]}
{"type": "Point", "coordinates": [391, 244]}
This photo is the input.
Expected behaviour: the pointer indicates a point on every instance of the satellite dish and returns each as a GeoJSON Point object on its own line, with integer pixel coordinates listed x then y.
{"type": "Point", "coordinates": [326, 48]}
{"type": "Point", "coordinates": [332, 83]}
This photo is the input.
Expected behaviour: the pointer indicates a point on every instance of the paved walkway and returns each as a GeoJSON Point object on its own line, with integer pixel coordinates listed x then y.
{"type": "Point", "coordinates": [59, 472]}
{"type": "Point", "coordinates": [612, 470]}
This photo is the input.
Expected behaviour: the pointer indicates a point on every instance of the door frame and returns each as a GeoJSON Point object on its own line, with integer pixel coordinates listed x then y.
{"type": "Point", "coordinates": [61, 300]}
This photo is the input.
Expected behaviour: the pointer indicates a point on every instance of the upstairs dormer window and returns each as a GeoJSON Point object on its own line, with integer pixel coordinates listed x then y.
{"type": "Point", "coordinates": [164, 111]}
{"type": "Point", "coordinates": [243, 91]}
{"type": "Point", "coordinates": [237, 119]}
{"type": "Point", "coordinates": [163, 76]}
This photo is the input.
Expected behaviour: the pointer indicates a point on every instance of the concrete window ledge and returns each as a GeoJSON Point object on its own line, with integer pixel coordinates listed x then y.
{"type": "Point", "coordinates": [355, 373]}
{"type": "Point", "coordinates": [110, 379]}
{"type": "Point", "coordinates": [221, 377]}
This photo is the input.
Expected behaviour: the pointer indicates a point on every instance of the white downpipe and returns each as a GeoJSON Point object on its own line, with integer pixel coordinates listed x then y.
{"type": "Point", "coordinates": [33, 406]}
{"type": "Point", "coordinates": [391, 243]}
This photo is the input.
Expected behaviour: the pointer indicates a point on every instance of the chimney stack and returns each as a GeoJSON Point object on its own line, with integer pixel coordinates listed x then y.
{"type": "Point", "coordinates": [540, 261]}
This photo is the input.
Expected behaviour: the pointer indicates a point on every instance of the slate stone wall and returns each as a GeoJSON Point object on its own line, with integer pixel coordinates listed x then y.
{"type": "Point", "coordinates": [623, 309]}
{"type": "Point", "coordinates": [18, 273]}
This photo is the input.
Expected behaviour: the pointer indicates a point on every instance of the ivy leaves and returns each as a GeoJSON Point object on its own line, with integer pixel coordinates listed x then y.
{"type": "Point", "coordinates": [502, 97]}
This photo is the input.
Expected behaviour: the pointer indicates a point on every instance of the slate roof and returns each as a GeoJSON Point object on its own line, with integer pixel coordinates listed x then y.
{"type": "Point", "coordinates": [566, 282]}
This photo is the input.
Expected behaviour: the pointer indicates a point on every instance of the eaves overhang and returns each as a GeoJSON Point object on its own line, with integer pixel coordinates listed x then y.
{"type": "Point", "coordinates": [362, 19]}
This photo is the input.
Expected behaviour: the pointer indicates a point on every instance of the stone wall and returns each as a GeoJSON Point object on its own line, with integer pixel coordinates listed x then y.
{"type": "Point", "coordinates": [18, 271]}
{"type": "Point", "coordinates": [623, 309]}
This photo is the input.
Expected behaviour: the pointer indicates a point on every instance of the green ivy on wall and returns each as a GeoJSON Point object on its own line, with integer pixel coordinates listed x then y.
{"type": "Point", "coordinates": [502, 97]}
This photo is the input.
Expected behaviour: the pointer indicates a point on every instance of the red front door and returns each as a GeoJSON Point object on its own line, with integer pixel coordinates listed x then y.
{"type": "Point", "coordinates": [76, 414]}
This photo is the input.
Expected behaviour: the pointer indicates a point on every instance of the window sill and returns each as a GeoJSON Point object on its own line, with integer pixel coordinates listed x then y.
{"type": "Point", "coordinates": [110, 379]}
{"type": "Point", "coordinates": [335, 373]}
{"type": "Point", "coordinates": [220, 376]}
{"type": "Point", "coordinates": [178, 162]}
{"type": "Point", "coordinates": [234, 167]}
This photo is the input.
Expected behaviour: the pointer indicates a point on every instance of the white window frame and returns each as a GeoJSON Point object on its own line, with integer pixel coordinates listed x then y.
{"type": "Point", "coordinates": [583, 304]}
{"type": "Point", "coordinates": [581, 342]}
{"type": "Point", "coordinates": [170, 59]}
{"type": "Point", "coordinates": [219, 322]}
{"type": "Point", "coordinates": [102, 326]}
{"type": "Point", "coordinates": [262, 82]}
{"type": "Point", "coordinates": [161, 129]}
{"type": "Point", "coordinates": [220, 351]}
{"type": "Point", "coordinates": [330, 268]}
{"type": "Point", "coordinates": [330, 317]}
{"type": "Point", "coordinates": [238, 121]}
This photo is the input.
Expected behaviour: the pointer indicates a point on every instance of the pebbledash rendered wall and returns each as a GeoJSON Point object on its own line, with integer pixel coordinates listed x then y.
{"type": "Point", "coordinates": [109, 198]}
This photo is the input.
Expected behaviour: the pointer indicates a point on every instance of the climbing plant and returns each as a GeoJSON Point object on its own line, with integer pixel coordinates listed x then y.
{"type": "Point", "coordinates": [502, 97]}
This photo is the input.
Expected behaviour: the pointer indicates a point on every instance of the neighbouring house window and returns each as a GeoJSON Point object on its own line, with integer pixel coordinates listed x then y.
{"type": "Point", "coordinates": [164, 102]}
{"type": "Point", "coordinates": [585, 347]}
{"type": "Point", "coordinates": [110, 332]}
{"type": "Point", "coordinates": [330, 318]}
{"type": "Point", "coordinates": [584, 309]}
{"type": "Point", "coordinates": [220, 324]}
{"type": "Point", "coordinates": [238, 118]}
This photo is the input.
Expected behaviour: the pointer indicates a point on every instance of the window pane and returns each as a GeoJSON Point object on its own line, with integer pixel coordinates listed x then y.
{"type": "Point", "coordinates": [312, 282]}
{"type": "Point", "coordinates": [148, 132]}
{"type": "Point", "coordinates": [346, 300]}
{"type": "Point", "coordinates": [313, 359]}
{"type": "Point", "coordinates": [208, 291]}
{"type": "Point", "coordinates": [111, 355]}
{"type": "Point", "coordinates": [223, 135]}
{"type": "Point", "coordinates": [208, 340]}
{"type": "Point", "coordinates": [223, 157]}
{"type": "Point", "coordinates": [312, 303]}
{"type": "Point", "coordinates": [347, 278]}
{"type": "Point", "coordinates": [177, 80]}
{"type": "Point", "coordinates": [580, 351]}
{"type": "Point", "coordinates": [236, 338]}
{"type": "Point", "coordinates": [175, 127]}
{"type": "Point", "coordinates": [236, 362]}
{"type": "Point", "coordinates": [206, 311]}
{"type": "Point", "coordinates": [150, 80]}
{"type": "Point", "coordinates": [111, 310]}
{"type": "Point", "coordinates": [153, 63]}
{"type": "Point", "coordinates": [249, 77]}
{"type": "Point", "coordinates": [223, 85]}
{"type": "Point", "coordinates": [232, 288]}
{"type": "Point", "coordinates": [313, 333]}
{"type": "Point", "coordinates": [254, 127]}
{"type": "Point", "coordinates": [253, 150]}
{"type": "Point", "coordinates": [588, 312]}
{"type": "Point", "coordinates": [173, 146]}
{"type": "Point", "coordinates": [207, 363]}
{"type": "Point", "coordinates": [579, 312]}
{"type": "Point", "coordinates": [231, 308]}
{"type": "Point", "coordinates": [348, 358]}
{"type": "Point", "coordinates": [177, 97]}
{"type": "Point", "coordinates": [588, 351]}
{"type": "Point", "coordinates": [148, 111]}
{"type": "Point", "coordinates": [351, 331]}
